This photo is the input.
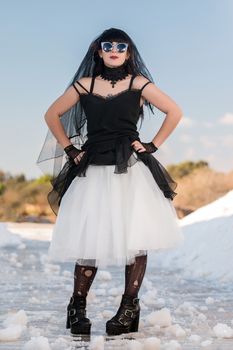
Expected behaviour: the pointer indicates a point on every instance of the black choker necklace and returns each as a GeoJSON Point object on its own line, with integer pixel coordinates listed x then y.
{"type": "Point", "coordinates": [114, 74]}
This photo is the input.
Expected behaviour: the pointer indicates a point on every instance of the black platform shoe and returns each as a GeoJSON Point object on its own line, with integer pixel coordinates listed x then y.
{"type": "Point", "coordinates": [76, 316]}
{"type": "Point", "coordinates": [126, 319]}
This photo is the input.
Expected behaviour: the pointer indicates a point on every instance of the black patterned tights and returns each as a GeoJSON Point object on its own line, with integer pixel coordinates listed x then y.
{"type": "Point", "coordinates": [134, 274]}
{"type": "Point", "coordinates": [83, 278]}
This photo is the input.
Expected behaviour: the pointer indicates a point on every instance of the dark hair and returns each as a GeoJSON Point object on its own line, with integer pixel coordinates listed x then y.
{"type": "Point", "coordinates": [74, 120]}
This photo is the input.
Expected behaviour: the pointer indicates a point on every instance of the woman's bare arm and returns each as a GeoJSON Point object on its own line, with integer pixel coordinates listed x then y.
{"type": "Point", "coordinates": [165, 104]}
{"type": "Point", "coordinates": [52, 117]}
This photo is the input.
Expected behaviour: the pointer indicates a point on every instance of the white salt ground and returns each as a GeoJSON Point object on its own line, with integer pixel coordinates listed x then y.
{"type": "Point", "coordinates": [7, 238]}
{"type": "Point", "coordinates": [18, 318]}
{"type": "Point", "coordinates": [161, 318]}
{"type": "Point", "coordinates": [222, 330]}
{"type": "Point", "coordinates": [11, 333]}
{"type": "Point", "coordinates": [97, 343]}
{"type": "Point", "coordinates": [37, 343]}
{"type": "Point", "coordinates": [14, 324]}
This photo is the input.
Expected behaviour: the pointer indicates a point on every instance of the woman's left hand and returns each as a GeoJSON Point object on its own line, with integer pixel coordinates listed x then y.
{"type": "Point", "coordinates": [138, 146]}
{"type": "Point", "coordinates": [148, 147]}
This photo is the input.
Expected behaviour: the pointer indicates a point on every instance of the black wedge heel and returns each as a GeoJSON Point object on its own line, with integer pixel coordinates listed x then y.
{"type": "Point", "coordinates": [127, 317]}
{"type": "Point", "coordinates": [135, 324]}
{"type": "Point", "coordinates": [76, 316]}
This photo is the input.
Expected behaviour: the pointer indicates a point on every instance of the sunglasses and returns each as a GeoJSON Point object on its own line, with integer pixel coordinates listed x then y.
{"type": "Point", "coordinates": [107, 46]}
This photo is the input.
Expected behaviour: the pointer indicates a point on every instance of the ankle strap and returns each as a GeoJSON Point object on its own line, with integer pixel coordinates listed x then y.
{"type": "Point", "coordinates": [129, 298]}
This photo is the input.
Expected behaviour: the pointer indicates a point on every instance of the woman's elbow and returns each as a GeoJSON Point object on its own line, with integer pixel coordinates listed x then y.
{"type": "Point", "coordinates": [50, 114]}
{"type": "Point", "coordinates": [178, 113]}
{"type": "Point", "coordinates": [46, 116]}
{"type": "Point", "coordinates": [181, 115]}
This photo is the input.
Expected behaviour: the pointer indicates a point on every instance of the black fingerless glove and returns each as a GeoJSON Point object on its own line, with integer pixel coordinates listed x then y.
{"type": "Point", "coordinates": [150, 147]}
{"type": "Point", "coordinates": [72, 152]}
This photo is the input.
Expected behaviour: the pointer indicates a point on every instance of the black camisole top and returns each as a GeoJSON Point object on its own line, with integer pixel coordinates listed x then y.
{"type": "Point", "coordinates": [111, 125]}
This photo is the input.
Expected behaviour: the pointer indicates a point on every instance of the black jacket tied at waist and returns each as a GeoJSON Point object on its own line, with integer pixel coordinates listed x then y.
{"type": "Point", "coordinates": [109, 150]}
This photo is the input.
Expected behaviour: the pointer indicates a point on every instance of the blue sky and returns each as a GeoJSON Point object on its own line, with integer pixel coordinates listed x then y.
{"type": "Point", "coordinates": [186, 45]}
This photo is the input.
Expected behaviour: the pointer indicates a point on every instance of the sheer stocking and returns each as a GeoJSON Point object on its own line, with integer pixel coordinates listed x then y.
{"type": "Point", "coordinates": [83, 278]}
{"type": "Point", "coordinates": [134, 274]}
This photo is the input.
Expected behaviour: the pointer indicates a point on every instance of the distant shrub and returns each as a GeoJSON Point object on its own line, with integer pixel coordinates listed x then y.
{"type": "Point", "coordinates": [15, 180]}
{"type": "Point", "coordinates": [185, 168]}
{"type": "Point", "coordinates": [2, 176]}
{"type": "Point", "coordinates": [43, 179]}
{"type": "Point", "coordinates": [2, 188]}
{"type": "Point", "coordinates": [20, 178]}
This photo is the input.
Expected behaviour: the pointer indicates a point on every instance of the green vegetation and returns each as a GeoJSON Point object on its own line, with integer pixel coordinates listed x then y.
{"type": "Point", "coordinates": [185, 168]}
{"type": "Point", "coordinates": [22, 199]}
{"type": "Point", "coordinates": [45, 179]}
{"type": "Point", "coordinates": [2, 188]}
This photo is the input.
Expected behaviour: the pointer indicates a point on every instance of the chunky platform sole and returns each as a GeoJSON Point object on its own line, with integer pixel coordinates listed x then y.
{"type": "Point", "coordinates": [78, 328]}
{"type": "Point", "coordinates": [118, 329]}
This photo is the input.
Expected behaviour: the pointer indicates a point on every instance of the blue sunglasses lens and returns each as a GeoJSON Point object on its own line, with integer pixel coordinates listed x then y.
{"type": "Point", "coordinates": [107, 47]}
{"type": "Point", "coordinates": [122, 47]}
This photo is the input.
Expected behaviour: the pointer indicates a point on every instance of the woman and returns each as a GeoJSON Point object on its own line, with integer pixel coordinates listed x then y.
{"type": "Point", "coordinates": [112, 197]}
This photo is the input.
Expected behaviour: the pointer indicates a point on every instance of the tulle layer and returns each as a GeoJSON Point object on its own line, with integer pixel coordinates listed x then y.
{"type": "Point", "coordinates": [115, 151]}
{"type": "Point", "coordinates": [107, 219]}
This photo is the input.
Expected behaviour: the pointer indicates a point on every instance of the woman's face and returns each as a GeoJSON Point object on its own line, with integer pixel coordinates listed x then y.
{"type": "Point", "coordinates": [114, 58]}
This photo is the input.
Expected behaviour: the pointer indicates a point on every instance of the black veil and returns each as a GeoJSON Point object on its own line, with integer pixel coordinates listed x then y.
{"type": "Point", "coordinates": [52, 156]}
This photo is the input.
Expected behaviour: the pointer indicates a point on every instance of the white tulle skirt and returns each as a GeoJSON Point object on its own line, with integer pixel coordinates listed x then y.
{"type": "Point", "coordinates": [108, 219]}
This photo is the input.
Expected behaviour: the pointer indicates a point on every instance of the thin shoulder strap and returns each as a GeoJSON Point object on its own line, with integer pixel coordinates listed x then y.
{"type": "Point", "coordinates": [92, 83]}
{"type": "Point", "coordinates": [145, 85]}
{"type": "Point", "coordinates": [81, 86]}
{"type": "Point", "coordinates": [131, 81]}
{"type": "Point", "coordinates": [76, 89]}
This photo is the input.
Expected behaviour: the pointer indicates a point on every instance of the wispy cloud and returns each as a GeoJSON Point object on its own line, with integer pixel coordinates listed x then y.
{"type": "Point", "coordinates": [189, 152]}
{"type": "Point", "coordinates": [208, 125]}
{"type": "Point", "coordinates": [186, 122]}
{"type": "Point", "coordinates": [226, 119]}
{"type": "Point", "coordinates": [186, 138]}
{"type": "Point", "coordinates": [207, 142]}
{"type": "Point", "coordinates": [227, 140]}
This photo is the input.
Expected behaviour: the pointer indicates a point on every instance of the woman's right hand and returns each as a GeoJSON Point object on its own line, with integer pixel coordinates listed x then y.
{"type": "Point", "coordinates": [78, 158]}
{"type": "Point", "coordinates": [74, 153]}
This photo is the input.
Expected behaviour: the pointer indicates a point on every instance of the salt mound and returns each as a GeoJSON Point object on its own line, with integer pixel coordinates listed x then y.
{"type": "Point", "coordinates": [208, 243]}
{"type": "Point", "coordinates": [7, 238]}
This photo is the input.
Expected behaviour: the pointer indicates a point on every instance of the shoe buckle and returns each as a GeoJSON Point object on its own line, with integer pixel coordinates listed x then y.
{"type": "Point", "coordinates": [72, 312]}
{"type": "Point", "coordinates": [74, 321]}
{"type": "Point", "coordinates": [129, 313]}
{"type": "Point", "coordinates": [122, 321]}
